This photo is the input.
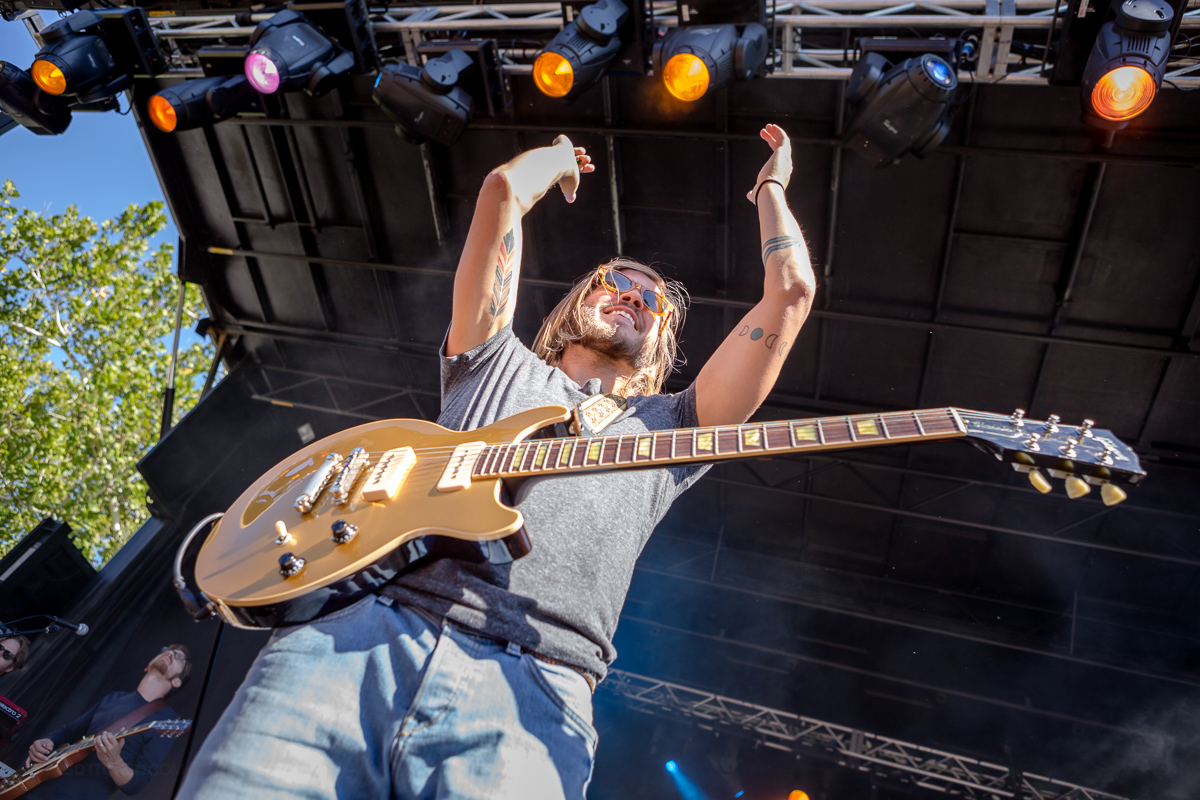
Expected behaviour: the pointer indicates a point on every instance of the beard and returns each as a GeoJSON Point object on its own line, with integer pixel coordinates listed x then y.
{"type": "Point", "coordinates": [606, 340]}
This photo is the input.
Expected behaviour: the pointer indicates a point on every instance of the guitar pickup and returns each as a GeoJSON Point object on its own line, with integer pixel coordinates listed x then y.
{"type": "Point", "coordinates": [457, 474]}
{"type": "Point", "coordinates": [391, 470]}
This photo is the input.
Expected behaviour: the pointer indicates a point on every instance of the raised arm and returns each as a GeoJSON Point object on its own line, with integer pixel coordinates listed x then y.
{"type": "Point", "coordinates": [485, 284]}
{"type": "Point", "coordinates": [745, 367]}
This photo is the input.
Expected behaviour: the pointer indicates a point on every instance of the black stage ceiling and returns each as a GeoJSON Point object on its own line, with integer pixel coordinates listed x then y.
{"type": "Point", "coordinates": [926, 594]}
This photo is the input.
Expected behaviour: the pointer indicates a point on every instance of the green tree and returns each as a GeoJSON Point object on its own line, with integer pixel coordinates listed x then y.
{"type": "Point", "coordinates": [86, 313]}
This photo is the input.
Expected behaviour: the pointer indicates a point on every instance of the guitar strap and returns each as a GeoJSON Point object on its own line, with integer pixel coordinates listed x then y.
{"type": "Point", "coordinates": [594, 414]}
{"type": "Point", "coordinates": [137, 715]}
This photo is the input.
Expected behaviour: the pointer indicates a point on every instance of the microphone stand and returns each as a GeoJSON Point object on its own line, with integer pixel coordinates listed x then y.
{"type": "Point", "coordinates": [7, 628]}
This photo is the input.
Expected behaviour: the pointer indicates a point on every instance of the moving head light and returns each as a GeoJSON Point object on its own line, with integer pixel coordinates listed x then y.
{"type": "Point", "coordinates": [694, 60]}
{"type": "Point", "coordinates": [899, 109]}
{"type": "Point", "coordinates": [427, 103]}
{"type": "Point", "coordinates": [21, 99]}
{"type": "Point", "coordinates": [1125, 68]}
{"type": "Point", "coordinates": [92, 55]}
{"type": "Point", "coordinates": [288, 52]}
{"type": "Point", "coordinates": [580, 53]}
{"type": "Point", "coordinates": [192, 104]}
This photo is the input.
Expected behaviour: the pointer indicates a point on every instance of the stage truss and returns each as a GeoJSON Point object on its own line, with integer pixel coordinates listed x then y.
{"type": "Point", "coordinates": [998, 25]}
{"type": "Point", "coordinates": [867, 752]}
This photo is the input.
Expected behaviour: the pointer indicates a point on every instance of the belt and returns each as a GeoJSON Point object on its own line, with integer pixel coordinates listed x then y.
{"type": "Point", "coordinates": [587, 676]}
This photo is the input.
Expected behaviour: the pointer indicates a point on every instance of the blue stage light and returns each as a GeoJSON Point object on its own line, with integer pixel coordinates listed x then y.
{"type": "Point", "coordinates": [672, 767]}
{"type": "Point", "coordinates": [740, 793]}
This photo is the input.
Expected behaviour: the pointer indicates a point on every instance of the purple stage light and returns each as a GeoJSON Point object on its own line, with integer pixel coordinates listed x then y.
{"type": "Point", "coordinates": [262, 73]}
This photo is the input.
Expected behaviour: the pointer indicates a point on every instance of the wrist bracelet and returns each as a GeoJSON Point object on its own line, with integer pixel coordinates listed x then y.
{"type": "Point", "coordinates": [765, 181]}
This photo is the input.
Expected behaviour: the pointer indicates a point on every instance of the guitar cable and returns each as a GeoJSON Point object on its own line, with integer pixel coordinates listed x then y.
{"type": "Point", "coordinates": [199, 607]}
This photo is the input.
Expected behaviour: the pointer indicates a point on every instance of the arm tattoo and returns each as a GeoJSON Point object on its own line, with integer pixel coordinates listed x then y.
{"type": "Point", "coordinates": [502, 280]}
{"type": "Point", "coordinates": [771, 341]}
{"type": "Point", "coordinates": [780, 243]}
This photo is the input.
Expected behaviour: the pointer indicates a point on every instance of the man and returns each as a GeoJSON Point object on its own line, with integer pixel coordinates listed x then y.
{"type": "Point", "coordinates": [14, 650]}
{"type": "Point", "coordinates": [127, 764]}
{"type": "Point", "coordinates": [466, 680]}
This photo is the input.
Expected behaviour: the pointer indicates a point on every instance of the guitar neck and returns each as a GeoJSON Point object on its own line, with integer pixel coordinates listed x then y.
{"type": "Point", "coordinates": [721, 443]}
{"type": "Point", "coordinates": [90, 741]}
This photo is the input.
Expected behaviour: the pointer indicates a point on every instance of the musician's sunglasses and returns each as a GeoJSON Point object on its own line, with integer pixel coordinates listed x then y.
{"type": "Point", "coordinates": [619, 283]}
{"type": "Point", "coordinates": [7, 654]}
{"type": "Point", "coordinates": [175, 654]}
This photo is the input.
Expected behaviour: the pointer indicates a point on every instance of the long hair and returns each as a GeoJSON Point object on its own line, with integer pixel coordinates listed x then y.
{"type": "Point", "coordinates": [564, 325]}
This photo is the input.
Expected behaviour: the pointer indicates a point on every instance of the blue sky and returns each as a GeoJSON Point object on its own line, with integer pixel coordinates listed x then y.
{"type": "Point", "coordinates": [100, 164]}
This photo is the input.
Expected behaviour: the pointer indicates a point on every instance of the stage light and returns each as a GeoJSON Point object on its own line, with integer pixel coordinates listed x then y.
{"type": "Point", "coordinates": [899, 109]}
{"type": "Point", "coordinates": [192, 104]}
{"type": "Point", "coordinates": [288, 52]}
{"type": "Point", "coordinates": [427, 103]}
{"type": "Point", "coordinates": [693, 61]}
{"type": "Point", "coordinates": [672, 767]}
{"type": "Point", "coordinates": [796, 794]}
{"type": "Point", "coordinates": [580, 53]}
{"type": "Point", "coordinates": [1125, 67]}
{"type": "Point", "coordinates": [21, 99]}
{"type": "Point", "coordinates": [93, 55]}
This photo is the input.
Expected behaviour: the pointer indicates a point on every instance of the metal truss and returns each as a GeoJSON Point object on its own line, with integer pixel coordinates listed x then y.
{"type": "Point", "coordinates": [997, 23]}
{"type": "Point", "coordinates": [866, 752]}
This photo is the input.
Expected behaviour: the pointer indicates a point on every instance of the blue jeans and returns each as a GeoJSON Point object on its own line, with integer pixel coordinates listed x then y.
{"type": "Point", "coordinates": [382, 701]}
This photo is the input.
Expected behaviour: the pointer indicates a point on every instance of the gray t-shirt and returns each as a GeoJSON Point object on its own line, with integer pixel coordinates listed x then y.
{"type": "Point", "coordinates": [564, 598]}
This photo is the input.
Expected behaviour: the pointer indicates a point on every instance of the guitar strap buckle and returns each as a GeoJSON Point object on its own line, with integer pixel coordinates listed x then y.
{"type": "Point", "coordinates": [593, 415]}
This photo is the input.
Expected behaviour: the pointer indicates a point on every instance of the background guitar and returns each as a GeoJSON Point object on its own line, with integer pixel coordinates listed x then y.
{"type": "Point", "coordinates": [63, 758]}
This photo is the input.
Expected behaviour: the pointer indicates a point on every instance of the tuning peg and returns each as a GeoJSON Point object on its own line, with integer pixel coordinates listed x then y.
{"type": "Point", "coordinates": [1108, 456]}
{"type": "Point", "coordinates": [1077, 487]}
{"type": "Point", "coordinates": [1051, 425]}
{"type": "Point", "coordinates": [1017, 420]}
{"type": "Point", "coordinates": [1084, 431]}
{"type": "Point", "coordinates": [1112, 494]}
{"type": "Point", "coordinates": [1040, 481]}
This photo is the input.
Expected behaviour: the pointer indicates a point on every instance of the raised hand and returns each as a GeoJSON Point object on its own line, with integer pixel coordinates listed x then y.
{"type": "Point", "coordinates": [581, 163]}
{"type": "Point", "coordinates": [779, 165]}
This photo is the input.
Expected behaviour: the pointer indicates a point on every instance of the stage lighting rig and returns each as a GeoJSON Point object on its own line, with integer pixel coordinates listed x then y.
{"type": "Point", "coordinates": [899, 109]}
{"type": "Point", "coordinates": [1125, 68]}
{"type": "Point", "coordinates": [92, 55]}
{"type": "Point", "coordinates": [203, 101]}
{"type": "Point", "coordinates": [578, 56]}
{"type": "Point", "coordinates": [693, 61]}
{"type": "Point", "coordinates": [427, 103]}
{"type": "Point", "coordinates": [25, 103]}
{"type": "Point", "coordinates": [288, 52]}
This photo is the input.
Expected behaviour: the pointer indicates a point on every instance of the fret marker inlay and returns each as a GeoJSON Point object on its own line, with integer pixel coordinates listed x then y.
{"type": "Point", "coordinates": [867, 427]}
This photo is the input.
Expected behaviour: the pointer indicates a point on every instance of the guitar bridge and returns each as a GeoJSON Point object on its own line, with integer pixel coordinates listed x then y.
{"type": "Point", "coordinates": [349, 474]}
{"type": "Point", "coordinates": [316, 483]}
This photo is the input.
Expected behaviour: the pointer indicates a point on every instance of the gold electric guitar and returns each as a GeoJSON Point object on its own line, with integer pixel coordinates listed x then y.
{"type": "Point", "coordinates": [63, 758]}
{"type": "Point", "coordinates": [348, 513]}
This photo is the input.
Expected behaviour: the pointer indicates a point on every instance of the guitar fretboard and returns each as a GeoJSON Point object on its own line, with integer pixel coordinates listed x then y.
{"type": "Point", "coordinates": [725, 442]}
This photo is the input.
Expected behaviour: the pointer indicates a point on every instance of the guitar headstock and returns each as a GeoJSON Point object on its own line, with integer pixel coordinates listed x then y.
{"type": "Point", "coordinates": [170, 727]}
{"type": "Point", "coordinates": [1083, 455]}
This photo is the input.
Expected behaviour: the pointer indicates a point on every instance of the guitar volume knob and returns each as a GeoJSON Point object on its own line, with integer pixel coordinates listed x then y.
{"type": "Point", "coordinates": [290, 564]}
{"type": "Point", "coordinates": [343, 531]}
